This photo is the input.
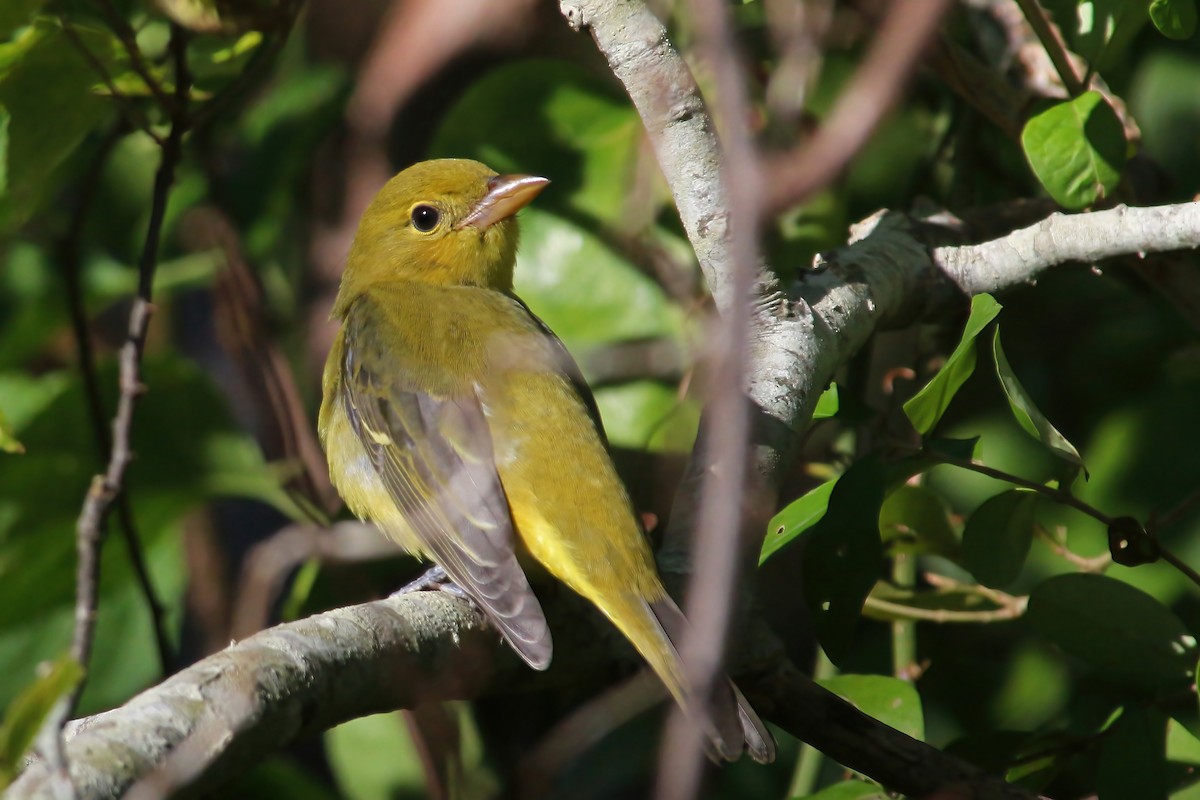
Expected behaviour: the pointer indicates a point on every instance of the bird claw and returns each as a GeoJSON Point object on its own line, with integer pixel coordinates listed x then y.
{"type": "Point", "coordinates": [435, 579]}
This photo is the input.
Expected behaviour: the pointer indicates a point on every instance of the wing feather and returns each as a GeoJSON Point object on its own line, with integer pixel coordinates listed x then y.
{"type": "Point", "coordinates": [434, 455]}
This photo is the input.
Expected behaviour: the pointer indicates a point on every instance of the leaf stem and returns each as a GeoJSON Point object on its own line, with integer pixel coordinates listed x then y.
{"type": "Point", "coordinates": [1055, 47]}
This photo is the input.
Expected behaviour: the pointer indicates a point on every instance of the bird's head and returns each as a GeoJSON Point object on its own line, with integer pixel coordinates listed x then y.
{"type": "Point", "coordinates": [448, 222]}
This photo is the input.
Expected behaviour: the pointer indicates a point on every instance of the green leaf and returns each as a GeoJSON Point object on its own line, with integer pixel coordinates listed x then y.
{"type": "Point", "coordinates": [1132, 758]}
{"type": "Point", "coordinates": [586, 137]}
{"type": "Point", "coordinates": [799, 515]}
{"type": "Point", "coordinates": [28, 710]}
{"type": "Point", "coordinates": [46, 88]}
{"type": "Point", "coordinates": [890, 700]}
{"type": "Point", "coordinates": [354, 747]}
{"type": "Point", "coordinates": [849, 790]}
{"type": "Point", "coordinates": [8, 442]}
{"type": "Point", "coordinates": [918, 520]}
{"type": "Point", "coordinates": [1175, 19]}
{"type": "Point", "coordinates": [647, 415]}
{"type": "Point", "coordinates": [1077, 150]}
{"type": "Point", "coordinates": [15, 14]}
{"type": "Point", "coordinates": [1121, 631]}
{"type": "Point", "coordinates": [1027, 413]}
{"type": "Point", "coordinates": [927, 406]}
{"type": "Point", "coordinates": [997, 537]}
{"type": "Point", "coordinates": [586, 292]}
{"type": "Point", "coordinates": [842, 556]}
{"type": "Point", "coordinates": [827, 403]}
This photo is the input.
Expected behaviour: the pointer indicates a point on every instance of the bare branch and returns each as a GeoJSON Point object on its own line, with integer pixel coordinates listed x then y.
{"type": "Point", "coordinates": [70, 257]}
{"type": "Point", "coordinates": [1060, 238]}
{"type": "Point", "coordinates": [215, 718]}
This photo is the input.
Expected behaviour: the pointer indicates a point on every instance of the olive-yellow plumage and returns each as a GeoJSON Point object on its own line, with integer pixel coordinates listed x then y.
{"type": "Point", "coordinates": [455, 420]}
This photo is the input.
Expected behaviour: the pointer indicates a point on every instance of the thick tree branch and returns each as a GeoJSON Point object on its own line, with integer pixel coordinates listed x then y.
{"type": "Point", "coordinates": [213, 719]}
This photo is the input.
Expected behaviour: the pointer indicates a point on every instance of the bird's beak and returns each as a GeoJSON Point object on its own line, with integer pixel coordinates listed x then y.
{"type": "Point", "coordinates": [506, 195]}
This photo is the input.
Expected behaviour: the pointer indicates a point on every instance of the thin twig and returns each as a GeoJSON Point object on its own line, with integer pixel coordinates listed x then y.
{"type": "Point", "coordinates": [1084, 564]}
{"type": "Point", "coordinates": [70, 259]}
{"type": "Point", "coordinates": [872, 92]}
{"type": "Point", "coordinates": [1177, 512]}
{"type": "Point", "coordinates": [1058, 495]}
{"type": "Point", "coordinates": [1178, 563]}
{"type": "Point", "coordinates": [128, 39]}
{"type": "Point", "coordinates": [132, 113]}
{"type": "Point", "coordinates": [711, 590]}
{"type": "Point", "coordinates": [893, 610]}
{"type": "Point", "coordinates": [106, 487]}
{"type": "Point", "coordinates": [1039, 20]}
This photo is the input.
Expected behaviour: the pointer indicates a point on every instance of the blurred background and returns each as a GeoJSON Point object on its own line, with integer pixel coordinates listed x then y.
{"type": "Point", "coordinates": [301, 118]}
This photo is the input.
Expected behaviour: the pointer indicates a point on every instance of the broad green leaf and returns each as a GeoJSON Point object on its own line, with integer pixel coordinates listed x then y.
{"type": "Point", "coordinates": [917, 520]}
{"type": "Point", "coordinates": [927, 406]}
{"type": "Point", "coordinates": [47, 88]}
{"type": "Point", "coordinates": [354, 747]}
{"type": "Point", "coordinates": [1182, 744]}
{"type": "Point", "coordinates": [1175, 19]}
{"type": "Point", "coordinates": [997, 537]}
{"type": "Point", "coordinates": [1122, 632]}
{"type": "Point", "coordinates": [8, 442]}
{"type": "Point", "coordinates": [1132, 758]}
{"type": "Point", "coordinates": [582, 134]}
{"type": "Point", "coordinates": [1077, 150]}
{"type": "Point", "coordinates": [26, 712]}
{"type": "Point", "coordinates": [15, 14]}
{"type": "Point", "coordinates": [1028, 415]}
{"type": "Point", "coordinates": [586, 292]}
{"type": "Point", "coordinates": [848, 790]}
{"type": "Point", "coordinates": [842, 556]}
{"type": "Point", "coordinates": [890, 700]}
{"type": "Point", "coordinates": [647, 415]}
{"type": "Point", "coordinates": [799, 515]}
{"type": "Point", "coordinates": [827, 403]}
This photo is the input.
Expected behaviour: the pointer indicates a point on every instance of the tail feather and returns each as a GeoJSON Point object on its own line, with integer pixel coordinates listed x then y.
{"type": "Point", "coordinates": [734, 726]}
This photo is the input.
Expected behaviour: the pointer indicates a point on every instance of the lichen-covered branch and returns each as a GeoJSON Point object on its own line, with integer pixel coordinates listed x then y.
{"type": "Point", "coordinates": [218, 716]}
{"type": "Point", "coordinates": [1061, 238]}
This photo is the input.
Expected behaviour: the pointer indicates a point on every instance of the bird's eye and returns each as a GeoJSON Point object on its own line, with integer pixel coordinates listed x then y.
{"type": "Point", "coordinates": [425, 218]}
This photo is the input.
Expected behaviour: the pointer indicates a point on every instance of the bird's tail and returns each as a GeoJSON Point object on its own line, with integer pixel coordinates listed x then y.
{"type": "Point", "coordinates": [656, 628]}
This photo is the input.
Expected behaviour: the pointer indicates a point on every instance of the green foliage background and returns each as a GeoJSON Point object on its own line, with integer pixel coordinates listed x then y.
{"type": "Point", "coordinates": [981, 618]}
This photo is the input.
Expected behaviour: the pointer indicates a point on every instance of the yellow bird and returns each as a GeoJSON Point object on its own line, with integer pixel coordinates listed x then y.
{"type": "Point", "coordinates": [455, 419]}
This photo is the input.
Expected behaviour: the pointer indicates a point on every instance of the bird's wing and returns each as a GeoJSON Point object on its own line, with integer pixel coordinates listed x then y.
{"type": "Point", "coordinates": [434, 455]}
{"type": "Point", "coordinates": [562, 361]}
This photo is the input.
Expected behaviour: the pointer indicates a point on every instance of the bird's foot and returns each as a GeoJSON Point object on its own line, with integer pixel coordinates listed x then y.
{"type": "Point", "coordinates": [435, 579]}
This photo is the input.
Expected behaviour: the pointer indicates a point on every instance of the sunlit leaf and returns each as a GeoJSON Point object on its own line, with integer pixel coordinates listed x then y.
{"type": "Point", "coordinates": [799, 516]}
{"type": "Point", "coordinates": [1031, 419]}
{"type": "Point", "coordinates": [892, 701]}
{"type": "Point", "coordinates": [28, 710]}
{"type": "Point", "coordinates": [927, 406]}
{"type": "Point", "coordinates": [1077, 150]}
{"type": "Point", "coordinates": [46, 88]}
{"type": "Point", "coordinates": [1124, 633]}
{"type": "Point", "coordinates": [8, 442]}
{"type": "Point", "coordinates": [1175, 19]}
{"type": "Point", "coordinates": [827, 404]}
{"type": "Point", "coordinates": [997, 537]}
